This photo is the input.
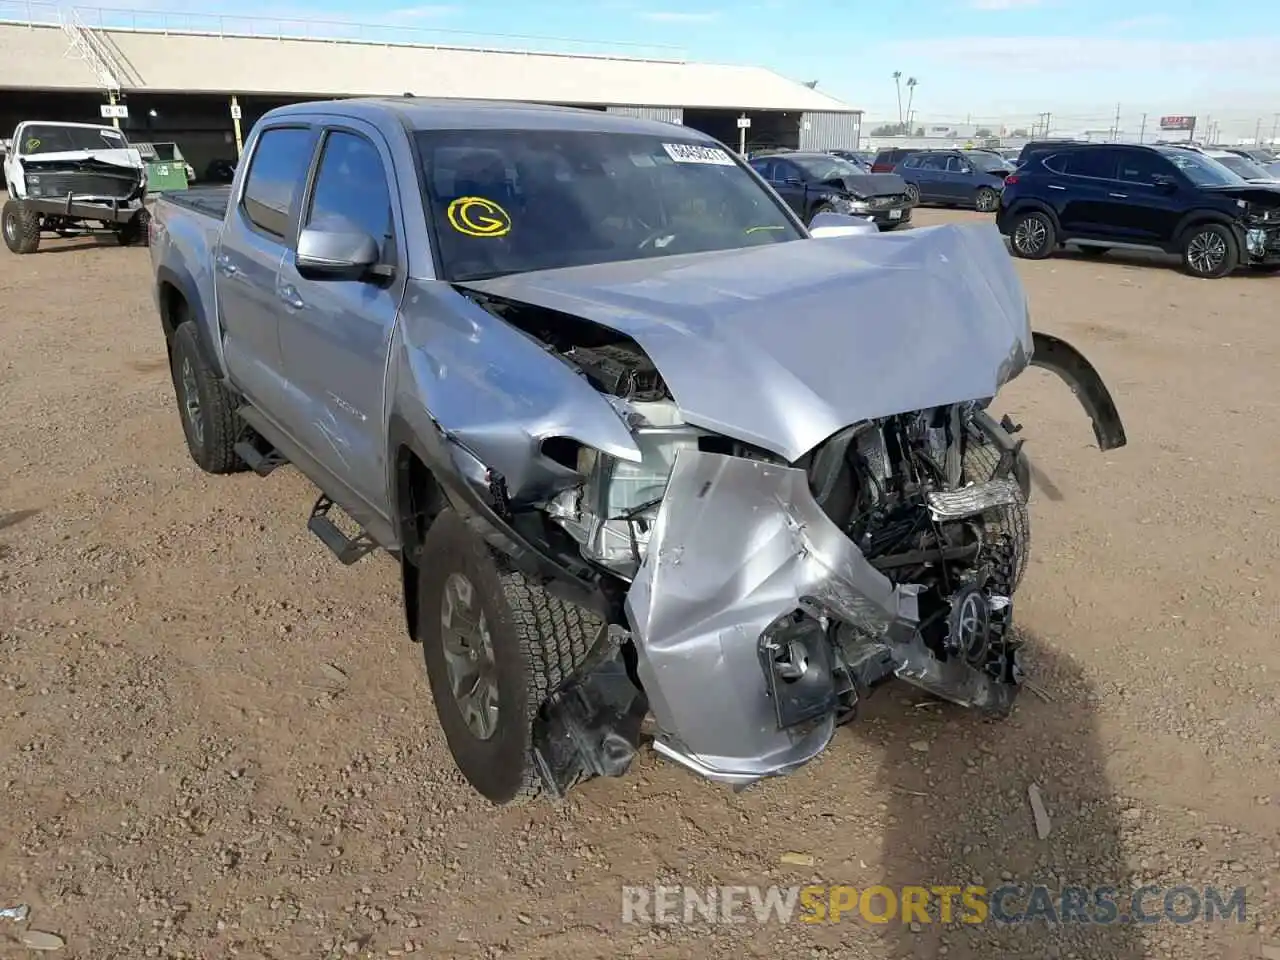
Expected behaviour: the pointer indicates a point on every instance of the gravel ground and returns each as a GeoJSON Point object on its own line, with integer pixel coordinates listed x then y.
{"type": "Point", "coordinates": [218, 742]}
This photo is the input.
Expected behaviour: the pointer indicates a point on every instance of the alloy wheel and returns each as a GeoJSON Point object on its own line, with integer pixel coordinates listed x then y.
{"type": "Point", "coordinates": [191, 401]}
{"type": "Point", "coordinates": [1030, 235]}
{"type": "Point", "coordinates": [1206, 252]}
{"type": "Point", "coordinates": [468, 656]}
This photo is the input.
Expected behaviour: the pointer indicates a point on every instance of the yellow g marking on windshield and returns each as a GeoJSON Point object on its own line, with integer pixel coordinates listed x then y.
{"type": "Point", "coordinates": [479, 217]}
{"type": "Point", "coordinates": [33, 144]}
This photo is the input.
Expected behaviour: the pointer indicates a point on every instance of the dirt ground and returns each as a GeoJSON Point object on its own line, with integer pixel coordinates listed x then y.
{"type": "Point", "coordinates": [218, 742]}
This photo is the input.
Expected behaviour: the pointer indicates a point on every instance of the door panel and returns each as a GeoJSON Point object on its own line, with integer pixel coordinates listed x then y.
{"type": "Point", "coordinates": [247, 259]}
{"type": "Point", "coordinates": [335, 335]}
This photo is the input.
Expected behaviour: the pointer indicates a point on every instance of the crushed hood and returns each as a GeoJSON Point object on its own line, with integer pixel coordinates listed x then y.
{"type": "Point", "coordinates": [869, 184]}
{"type": "Point", "coordinates": [785, 344]}
{"type": "Point", "coordinates": [126, 157]}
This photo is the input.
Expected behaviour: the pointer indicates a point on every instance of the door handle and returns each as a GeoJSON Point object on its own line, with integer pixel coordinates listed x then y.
{"type": "Point", "coordinates": [1119, 196]}
{"type": "Point", "coordinates": [289, 295]}
{"type": "Point", "coordinates": [225, 266]}
{"type": "Point", "coordinates": [1054, 186]}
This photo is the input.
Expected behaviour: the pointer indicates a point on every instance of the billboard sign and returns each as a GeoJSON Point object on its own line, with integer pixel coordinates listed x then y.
{"type": "Point", "coordinates": [1177, 123]}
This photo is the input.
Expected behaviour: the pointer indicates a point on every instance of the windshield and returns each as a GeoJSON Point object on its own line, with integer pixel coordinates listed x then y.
{"type": "Point", "coordinates": [824, 168]}
{"type": "Point", "coordinates": [1201, 170]}
{"type": "Point", "coordinates": [512, 201]}
{"type": "Point", "coordinates": [38, 138]}
{"type": "Point", "coordinates": [1243, 166]}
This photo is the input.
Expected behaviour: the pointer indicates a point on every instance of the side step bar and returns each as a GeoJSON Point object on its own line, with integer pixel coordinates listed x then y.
{"type": "Point", "coordinates": [259, 462]}
{"type": "Point", "coordinates": [347, 549]}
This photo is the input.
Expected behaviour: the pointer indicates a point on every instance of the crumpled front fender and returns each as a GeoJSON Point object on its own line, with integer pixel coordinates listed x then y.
{"type": "Point", "coordinates": [737, 544]}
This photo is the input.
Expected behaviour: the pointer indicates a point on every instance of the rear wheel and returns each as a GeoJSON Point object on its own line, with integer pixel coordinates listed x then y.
{"type": "Point", "coordinates": [1032, 236]}
{"type": "Point", "coordinates": [208, 412]}
{"type": "Point", "coordinates": [20, 226]}
{"type": "Point", "coordinates": [986, 200]}
{"type": "Point", "coordinates": [496, 645]}
{"type": "Point", "coordinates": [1209, 251]}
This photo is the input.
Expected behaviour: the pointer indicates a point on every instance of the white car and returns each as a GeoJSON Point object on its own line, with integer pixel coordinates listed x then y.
{"type": "Point", "coordinates": [71, 179]}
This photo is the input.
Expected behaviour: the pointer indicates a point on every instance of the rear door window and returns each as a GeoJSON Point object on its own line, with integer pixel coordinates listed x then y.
{"type": "Point", "coordinates": [1098, 164]}
{"type": "Point", "coordinates": [1138, 166]}
{"type": "Point", "coordinates": [276, 175]}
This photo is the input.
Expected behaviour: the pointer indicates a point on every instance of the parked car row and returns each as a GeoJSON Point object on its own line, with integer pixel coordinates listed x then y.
{"type": "Point", "coordinates": [1108, 196]}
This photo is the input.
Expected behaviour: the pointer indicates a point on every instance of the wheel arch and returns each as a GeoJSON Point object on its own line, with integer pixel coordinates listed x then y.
{"type": "Point", "coordinates": [1021, 207]}
{"type": "Point", "coordinates": [1198, 218]}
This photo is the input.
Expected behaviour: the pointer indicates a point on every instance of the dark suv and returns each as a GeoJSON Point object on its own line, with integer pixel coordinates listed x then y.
{"type": "Point", "coordinates": [956, 178]}
{"type": "Point", "coordinates": [1105, 196]}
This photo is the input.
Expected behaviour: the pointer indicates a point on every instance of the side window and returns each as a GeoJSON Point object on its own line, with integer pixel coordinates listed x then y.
{"type": "Point", "coordinates": [1138, 166]}
{"type": "Point", "coordinates": [933, 161]}
{"type": "Point", "coordinates": [350, 192]}
{"type": "Point", "coordinates": [783, 170]}
{"type": "Point", "coordinates": [1099, 164]}
{"type": "Point", "coordinates": [276, 174]}
{"type": "Point", "coordinates": [956, 164]}
{"type": "Point", "coordinates": [912, 162]}
{"type": "Point", "coordinates": [763, 167]}
{"type": "Point", "coordinates": [1056, 163]}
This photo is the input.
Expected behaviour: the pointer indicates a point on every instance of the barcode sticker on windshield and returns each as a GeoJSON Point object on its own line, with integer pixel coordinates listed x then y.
{"type": "Point", "coordinates": [693, 153]}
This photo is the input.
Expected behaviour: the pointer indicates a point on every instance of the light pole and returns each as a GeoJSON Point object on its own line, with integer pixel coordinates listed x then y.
{"type": "Point", "coordinates": [911, 95]}
{"type": "Point", "coordinates": [897, 82]}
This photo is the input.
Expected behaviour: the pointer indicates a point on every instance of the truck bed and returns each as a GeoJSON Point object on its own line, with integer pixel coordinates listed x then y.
{"type": "Point", "coordinates": [212, 201]}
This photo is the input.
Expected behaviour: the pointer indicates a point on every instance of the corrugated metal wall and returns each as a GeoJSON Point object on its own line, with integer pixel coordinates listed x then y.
{"type": "Point", "coordinates": [830, 131]}
{"type": "Point", "coordinates": [665, 114]}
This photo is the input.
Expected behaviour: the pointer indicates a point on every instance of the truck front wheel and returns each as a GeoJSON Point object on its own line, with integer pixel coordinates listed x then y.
{"type": "Point", "coordinates": [135, 232]}
{"type": "Point", "coordinates": [208, 414]}
{"type": "Point", "coordinates": [21, 227]}
{"type": "Point", "coordinates": [496, 645]}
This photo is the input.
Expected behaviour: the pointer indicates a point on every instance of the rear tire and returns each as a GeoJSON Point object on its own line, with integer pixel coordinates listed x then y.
{"type": "Point", "coordinates": [1031, 236]}
{"type": "Point", "coordinates": [21, 227]}
{"type": "Point", "coordinates": [1209, 251]}
{"type": "Point", "coordinates": [505, 644]}
{"type": "Point", "coordinates": [208, 413]}
{"type": "Point", "coordinates": [986, 200]}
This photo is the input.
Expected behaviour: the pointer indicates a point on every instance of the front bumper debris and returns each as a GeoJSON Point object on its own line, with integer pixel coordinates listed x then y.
{"type": "Point", "coordinates": [1262, 245]}
{"type": "Point", "coordinates": [738, 545]}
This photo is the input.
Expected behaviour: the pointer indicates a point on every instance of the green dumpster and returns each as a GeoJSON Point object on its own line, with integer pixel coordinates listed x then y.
{"type": "Point", "coordinates": [167, 169]}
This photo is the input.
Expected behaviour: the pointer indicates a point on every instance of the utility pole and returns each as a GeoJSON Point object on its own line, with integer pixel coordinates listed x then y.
{"type": "Point", "coordinates": [1115, 127]}
{"type": "Point", "coordinates": [1257, 134]}
{"type": "Point", "coordinates": [1275, 125]}
{"type": "Point", "coordinates": [1142, 133]}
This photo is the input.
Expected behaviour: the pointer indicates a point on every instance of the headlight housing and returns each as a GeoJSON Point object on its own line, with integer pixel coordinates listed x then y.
{"type": "Point", "coordinates": [611, 514]}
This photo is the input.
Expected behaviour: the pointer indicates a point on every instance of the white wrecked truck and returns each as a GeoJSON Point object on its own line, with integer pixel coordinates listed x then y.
{"type": "Point", "coordinates": [639, 442]}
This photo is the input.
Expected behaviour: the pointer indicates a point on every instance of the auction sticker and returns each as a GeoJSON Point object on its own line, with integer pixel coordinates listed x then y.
{"type": "Point", "coordinates": [695, 153]}
{"type": "Point", "coordinates": [478, 217]}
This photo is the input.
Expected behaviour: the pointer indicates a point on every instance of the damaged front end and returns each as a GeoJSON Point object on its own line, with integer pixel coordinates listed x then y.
{"type": "Point", "coordinates": [766, 599]}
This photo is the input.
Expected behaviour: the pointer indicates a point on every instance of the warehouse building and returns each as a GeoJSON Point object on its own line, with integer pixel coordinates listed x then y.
{"type": "Point", "coordinates": [202, 88]}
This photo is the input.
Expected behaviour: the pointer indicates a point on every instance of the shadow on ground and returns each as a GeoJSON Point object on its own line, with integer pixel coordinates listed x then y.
{"type": "Point", "coordinates": [963, 817]}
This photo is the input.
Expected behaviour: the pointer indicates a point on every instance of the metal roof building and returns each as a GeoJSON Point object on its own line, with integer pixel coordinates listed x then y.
{"type": "Point", "coordinates": [138, 56]}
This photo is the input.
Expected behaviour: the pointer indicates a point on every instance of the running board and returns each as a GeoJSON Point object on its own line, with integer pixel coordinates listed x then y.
{"type": "Point", "coordinates": [348, 550]}
{"type": "Point", "coordinates": [259, 462]}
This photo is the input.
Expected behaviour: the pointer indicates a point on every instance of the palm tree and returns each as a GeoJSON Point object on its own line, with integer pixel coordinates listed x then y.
{"type": "Point", "coordinates": [911, 93]}
{"type": "Point", "coordinates": [897, 82]}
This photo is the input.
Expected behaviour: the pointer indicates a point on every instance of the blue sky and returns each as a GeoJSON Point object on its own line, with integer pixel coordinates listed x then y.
{"type": "Point", "coordinates": [983, 59]}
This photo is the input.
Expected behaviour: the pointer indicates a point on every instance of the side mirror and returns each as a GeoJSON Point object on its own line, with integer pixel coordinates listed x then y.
{"type": "Point", "coordinates": [826, 225]}
{"type": "Point", "coordinates": [1164, 183]}
{"type": "Point", "coordinates": [335, 254]}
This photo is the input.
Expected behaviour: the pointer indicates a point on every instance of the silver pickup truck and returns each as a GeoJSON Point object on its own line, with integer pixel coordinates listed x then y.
{"type": "Point", "coordinates": [644, 447]}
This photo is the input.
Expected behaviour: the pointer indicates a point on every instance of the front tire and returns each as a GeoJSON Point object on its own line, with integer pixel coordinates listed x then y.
{"type": "Point", "coordinates": [913, 193]}
{"type": "Point", "coordinates": [820, 208]}
{"type": "Point", "coordinates": [1032, 236]}
{"type": "Point", "coordinates": [136, 231]}
{"type": "Point", "coordinates": [207, 410]}
{"type": "Point", "coordinates": [20, 226]}
{"type": "Point", "coordinates": [496, 645]}
{"type": "Point", "coordinates": [1209, 251]}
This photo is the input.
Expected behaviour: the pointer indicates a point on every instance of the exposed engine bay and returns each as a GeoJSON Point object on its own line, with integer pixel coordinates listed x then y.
{"type": "Point", "coordinates": [764, 595]}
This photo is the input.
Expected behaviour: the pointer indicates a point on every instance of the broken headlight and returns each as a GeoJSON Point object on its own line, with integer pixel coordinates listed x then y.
{"type": "Point", "coordinates": [611, 514]}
